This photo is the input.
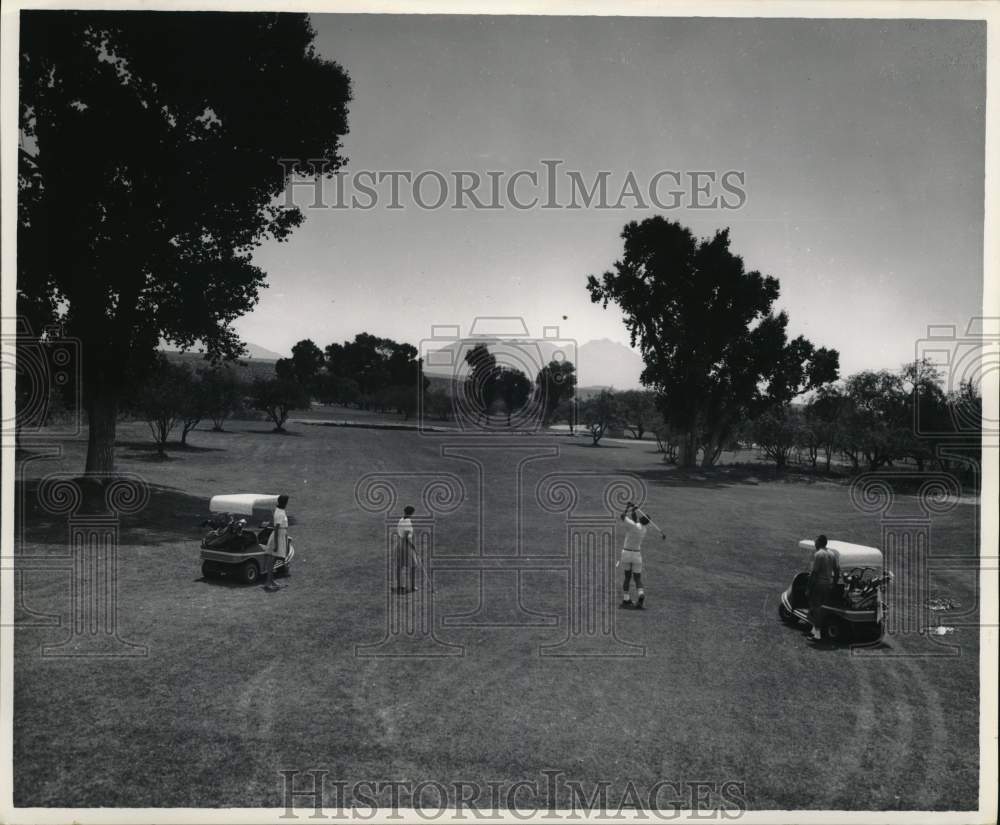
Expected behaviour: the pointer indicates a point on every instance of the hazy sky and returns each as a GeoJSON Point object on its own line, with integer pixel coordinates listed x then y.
{"type": "Point", "coordinates": [862, 143]}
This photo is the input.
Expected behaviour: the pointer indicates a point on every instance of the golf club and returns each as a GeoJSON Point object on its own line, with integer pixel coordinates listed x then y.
{"type": "Point", "coordinates": [420, 564]}
{"type": "Point", "coordinates": [638, 509]}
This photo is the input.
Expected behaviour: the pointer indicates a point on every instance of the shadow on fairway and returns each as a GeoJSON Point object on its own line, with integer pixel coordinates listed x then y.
{"type": "Point", "coordinates": [170, 516]}
{"type": "Point", "coordinates": [722, 477]}
{"type": "Point", "coordinates": [271, 432]}
{"type": "Point", "coordinates": [146, 450]}
{"type": "Point", "coordinates": [223, 581]}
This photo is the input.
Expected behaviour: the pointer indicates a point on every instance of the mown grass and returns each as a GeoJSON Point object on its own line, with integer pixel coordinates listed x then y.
{"type": "Point", "coordinates": [240, 684]}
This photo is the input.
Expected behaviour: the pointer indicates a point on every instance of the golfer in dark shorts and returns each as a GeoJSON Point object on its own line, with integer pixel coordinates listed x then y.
{"type": "Point", "coordinates": [821, 578]}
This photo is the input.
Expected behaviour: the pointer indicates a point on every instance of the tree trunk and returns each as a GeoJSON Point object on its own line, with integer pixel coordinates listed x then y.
{"type": "Point", "coordinates": [687, 451]}
{"type": "Point", "coordinates": [710, 454]}
{"type": "Point", "coordinates": [102, 417]}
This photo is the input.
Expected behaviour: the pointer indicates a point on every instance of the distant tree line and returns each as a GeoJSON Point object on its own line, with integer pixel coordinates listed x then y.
{"type": "Point", "coordinates": [722, 373]}
{"type": "Point", "coordinates": [874, 419]}
{"type": "Point", "coordinates": [491, 386]}
{"type": "Point", "coordinates": [369, 373]}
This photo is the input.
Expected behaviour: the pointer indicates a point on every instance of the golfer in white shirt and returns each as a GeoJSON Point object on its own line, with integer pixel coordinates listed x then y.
{"type": "Point", "coordinates": [277, 544]}
{"type": "Point", "coordinates": [404, 552]}
{"type": "Point", "coordinates": [631, 560]}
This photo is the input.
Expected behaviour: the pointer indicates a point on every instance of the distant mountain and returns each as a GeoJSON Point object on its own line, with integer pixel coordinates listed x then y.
{"type": "Point", "coordinates": [606, 363]}
{"type": "Point", "coordinates": [600, 363]}
{"type": "Point", "coordinates": [254, 352]}
{"type": "Point", "coordinates": [526, 355]}
{"type": "Point", "coordinates": [259, 353]}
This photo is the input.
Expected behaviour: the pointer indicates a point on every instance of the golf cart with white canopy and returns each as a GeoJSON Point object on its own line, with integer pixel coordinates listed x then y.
{"type": "Point", "coordinates": [856, 606]}
{"type": "Point", "coordinates": [234, 546]}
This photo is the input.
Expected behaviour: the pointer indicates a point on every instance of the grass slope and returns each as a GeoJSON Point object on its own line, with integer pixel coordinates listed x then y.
{"type": "Point", "coordinates": [240, 684]}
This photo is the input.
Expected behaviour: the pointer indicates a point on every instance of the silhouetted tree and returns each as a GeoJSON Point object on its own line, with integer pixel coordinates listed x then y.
{"type": "Point", "coordinates": [715, 352]}
{"type": "Point", "coordinates": [148, 173]}
{"type": "Point", "coordinates": [306, 362]}
{"type": "Point", "coordinates": [639, 411]}
{"type": "Point", "coordinates": [223, 394]}
{"type": "Point", "coordinates": [480, 387]}
{"type": "Point", "coordinates": [599, 414]}
{"type": "Point", "coordinates": [375, 364]}
{"type": "Point", "coordinates": [159, 400]}
{"type": "Point", "coordinates": [278, 397]}
{"type": "Point", "coordinates": [514, 390]}
{"type": "Point", "coordinates": [776, 432]}
{"type": "Point", "coordinates": [556, 381]}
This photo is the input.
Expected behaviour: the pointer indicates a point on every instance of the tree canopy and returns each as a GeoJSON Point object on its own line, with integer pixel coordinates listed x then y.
{"type": "Point", "coordinates": [715, 351]}
{"type": "Point", "coordinates": [557, 383]}
{"type": "Point", "coordinates": [148, 173]}
{"type": "Point", "coordinates": [371, 370]}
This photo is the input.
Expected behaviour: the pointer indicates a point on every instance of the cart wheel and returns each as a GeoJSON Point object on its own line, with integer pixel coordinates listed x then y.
{"type": "Point", "coordinates": [785, 615]}
{"type": "Point", "coordinates": [284, 570]}
{"type": "Point", "coordinates": [207, 570]}
{"type": "Point", "coordinates": [248, 572]}
{"type": "Point", "coordinates": [837, 631]}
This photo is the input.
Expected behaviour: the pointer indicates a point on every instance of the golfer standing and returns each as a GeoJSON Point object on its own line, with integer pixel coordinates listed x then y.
{"type": "Point", "coordinates": [631, 560]}
{"type": "Point", "coordinates": [404, 552]}
{"type": "Point", "coordinates": [821, 577]}
{"type": "Point", "coordinates": [277, 544]}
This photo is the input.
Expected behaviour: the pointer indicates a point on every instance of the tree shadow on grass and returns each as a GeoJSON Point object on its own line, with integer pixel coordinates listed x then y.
{"type": "Point", "coordinates": [590, 446]}
{"type": "Point", "coordinates": [725, 476]}
{"type": "Point", "coordinates": [271, 431]}
{"type": "Point", "coordinates": [170, 515]}
{"type": "Point", "coordinates": [175, 447]}
{"type": "Point", "coordinates": [147, 457]}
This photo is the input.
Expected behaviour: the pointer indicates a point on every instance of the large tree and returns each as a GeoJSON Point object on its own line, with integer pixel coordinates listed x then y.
{"type": "Point", "coordinates": [376, 367]}
{"type": "Point", "coordinates": [481, 386]}
{"type": "Point", "coordinates": [514, 389]}
{"type": "Point", "coordinates": [149, 172]}
{"type": "Point", "coordinates": [304, 366]}
{"type": "Point", "coordinates": [556, 381]}
{"type": "Point", "coordinates": [714, 349]}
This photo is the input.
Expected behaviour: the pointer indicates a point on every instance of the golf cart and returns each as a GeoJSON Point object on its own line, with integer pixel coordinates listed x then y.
{"type": "Point", "coordinates": [234, 547]}
{"type": "Point", "coordinates": [856, 606]}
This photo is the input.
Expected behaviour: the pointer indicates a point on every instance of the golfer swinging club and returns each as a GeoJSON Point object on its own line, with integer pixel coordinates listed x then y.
{"type": "Point", "coordinates": [631, 560]}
